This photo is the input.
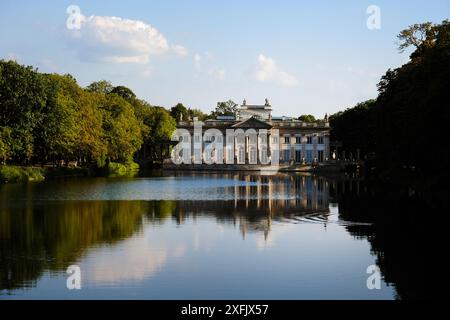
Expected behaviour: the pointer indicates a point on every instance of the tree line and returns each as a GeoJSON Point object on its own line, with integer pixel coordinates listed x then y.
{"type": "Point", "coordinates": [49, 118]}
{"type": "Point", "coordinates": [406, 125]}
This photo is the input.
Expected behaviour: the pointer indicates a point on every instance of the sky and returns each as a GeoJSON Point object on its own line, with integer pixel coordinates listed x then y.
{"type": "Point", "coordinates": [306, 57]}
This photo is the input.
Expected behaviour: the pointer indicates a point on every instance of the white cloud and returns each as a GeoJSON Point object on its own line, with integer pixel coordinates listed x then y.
{"type": "Point", "coordinates": [269, 71]}
{"type": "Point", "coordinates": [218, 73]}
{"type": "Point", "coordinates": [117, 40]}
{"type": "Point", "coordinates": [197, 61]}
{"type": "Point", "coordinates": [180, 50]}
{"type": "Point", "coordinates": [204, 64]}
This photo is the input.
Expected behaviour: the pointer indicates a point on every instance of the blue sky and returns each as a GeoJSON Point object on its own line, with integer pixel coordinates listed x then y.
{"type": "Point", "coordinates": [306, 57]}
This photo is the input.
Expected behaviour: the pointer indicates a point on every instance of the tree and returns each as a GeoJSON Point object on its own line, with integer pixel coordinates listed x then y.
{"type": "Point", "coordinates": [159, 126]}
{"type": "Point", "coordinates": [124, 92]}
{"type": "Point", "coordinates": [419, 35]}
{"type": "Point", "coordinates": [355, 128]}
{"type": "Point", "coordinates": [57, 135]}
{"type": "Point", "coordinates": [101, 86]}
{"type": "Point", "coordinates": [179, 112]}
{"type": "Point", "coordinates": [197, 113]}
{"type": "Point", "coordinates": [307, 118]}
{"type": "Point", "coordinates": [5, 144]}
{"type": "Point", "coordinates": [24, 95]}
{"type": "Point", "coordinates": [91, 143]}
{"type": "Point", "coordinates": [406, 125]}
{"type": "Point", "coordinates": [226, 108]}
{"type": "Point", "coordinates": [122, 129]}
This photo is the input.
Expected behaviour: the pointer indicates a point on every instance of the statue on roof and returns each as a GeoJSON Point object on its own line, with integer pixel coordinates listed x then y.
{"type": "Point", "coordinates": [267, 102]}
{"type": "Point", "coordinates": [326, 116]}
{"type": "Point", "coordinates": [244, 103]}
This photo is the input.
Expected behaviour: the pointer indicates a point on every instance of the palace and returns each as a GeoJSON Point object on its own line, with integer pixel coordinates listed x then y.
{"type": "Point", "coordinates": [291, 142]}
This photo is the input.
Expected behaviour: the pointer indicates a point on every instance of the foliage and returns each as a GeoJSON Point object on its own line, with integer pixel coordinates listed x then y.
{"type": "Point", "coordinates": [179, 112]}
{"type": "Point", "coordinates": [121, 129]}
{"type": "Point", "coordinates": [307, 118]}
{"type": "Point", "coordinates": [101, 86]}
{"type": "Point", "coordinates": [18, 174]}
{"type": "Point", "coordinates": [225, 108]}
{"type": "Point", "coordinates": [49, 118]}
{"type": "Point", "coordinates": [123, 92]}
{"type": "Point", "coordinates": [197, 113]}
{"type": "Point", "coordinates": [407, 124]}
{"type": "Point", "coordinates": [119, 169]}
{"type": "Point", "coordinates": [355, 126]}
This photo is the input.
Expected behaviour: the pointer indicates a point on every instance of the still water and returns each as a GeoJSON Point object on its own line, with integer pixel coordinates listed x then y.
{"type": "Point", "coordinates": [197, 236]}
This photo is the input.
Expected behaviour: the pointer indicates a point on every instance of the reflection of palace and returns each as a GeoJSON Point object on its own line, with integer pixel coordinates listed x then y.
{"type": "Point", "coordinates": [256, 142]}
{"type": "Point", "coordinates": [259, 199]}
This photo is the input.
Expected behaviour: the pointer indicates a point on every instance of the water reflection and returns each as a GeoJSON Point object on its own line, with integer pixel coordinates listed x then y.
{"type": "Point", "coordinates": [124, 232]}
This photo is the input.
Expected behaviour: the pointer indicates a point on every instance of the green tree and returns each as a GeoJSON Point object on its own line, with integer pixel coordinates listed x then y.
{"type": "Point", "coordinates": [225, 108]}
{"type": "Point", "coordinates": [121, 128]}
{"type": "Point", "coordinates": [5, 144]}
{"type": "Point", "coordinates": [197, 113]}
{"type": "Point", "coordinates": [24, 95]}
{"type": "Point", "coordinates": [101, 86]}
{"type": "Point", "coordinates": [179, 112]}
{"type": "Point", "coordinates": [307, 118]}
{"type": "Point", "coordinates": [58, 134]}
{"type": "Point", "coordinates": [124, 92]}
{"type": "Point", "coordinates": [355, 127]}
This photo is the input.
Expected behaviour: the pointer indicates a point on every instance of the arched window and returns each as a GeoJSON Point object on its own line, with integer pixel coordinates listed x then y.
{"type": "Point", "coordinates": [253, 156]}
{"type": "Point", "coordinates": [263, 155]}
{"type": "Point", "coordinates": [241, 158]}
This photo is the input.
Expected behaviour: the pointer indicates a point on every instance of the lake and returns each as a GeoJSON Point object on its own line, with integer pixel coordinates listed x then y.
{"type": "Point", "coordinates": [212, 236]}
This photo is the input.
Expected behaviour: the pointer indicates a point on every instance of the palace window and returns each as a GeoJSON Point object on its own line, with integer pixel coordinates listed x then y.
{"type": "Point", "coordinates": [253, 155]}
{"type": "Point", "coordinates": [263, 154]}
{"type": "Point", "coordinates": [309, 140]}
{"type": "Point", "coordinates": [320, 140]}
{"type": "Point", "coordinates": [230, 156]}
{"type": "Point", "coordinates": [286, 155]}
{"type": "Point", "coordinates": [320, 155]}
{"type": "Point", "coordinates": [309, 156]}
{"type": "Point", "coordinates": [287, 140]}
{"type": "Point", "coordinates": [241, 159]}
{"type": "Point", "coordinates": [263, 138]}
{"type": "Point", "coordinates": [298, 140]}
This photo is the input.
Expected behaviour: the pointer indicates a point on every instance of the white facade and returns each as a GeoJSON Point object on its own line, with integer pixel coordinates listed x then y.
{"type": "Point", "coordinates": [262, 112]}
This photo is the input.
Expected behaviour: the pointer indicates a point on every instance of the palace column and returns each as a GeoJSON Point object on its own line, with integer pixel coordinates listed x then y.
{"type": "Point", "coordinates": [315, 138]}
{"type": "Point", "coordinates": [303, 140]}
{"type": "Point", "coordinates": [292, 148]}
{"type": "Point", "coordinates": [326, 141]}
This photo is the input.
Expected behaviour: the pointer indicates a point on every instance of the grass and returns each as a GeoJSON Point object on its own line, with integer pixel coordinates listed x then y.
{"type": "Point", "coordinates": [11, 174]}
{"type": "Point", "coordinates": [14, 174]}
{"type": "Point", "coordinates": [114, 169]}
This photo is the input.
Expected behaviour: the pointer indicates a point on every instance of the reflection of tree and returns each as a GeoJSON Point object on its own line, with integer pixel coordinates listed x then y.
{"type": "Point", "coordinates": [55, 234]}
{"type": "Point", "coordinates": [38, 236]}
{"type": "Point", "coordinates": [406, 237]}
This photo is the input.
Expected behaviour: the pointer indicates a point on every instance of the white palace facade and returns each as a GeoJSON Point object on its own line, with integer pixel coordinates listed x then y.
{"type": "Point", "coordinates": [291, 141]}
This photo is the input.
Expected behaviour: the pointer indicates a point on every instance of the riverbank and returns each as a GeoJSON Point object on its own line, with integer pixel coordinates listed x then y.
{"type": "Point", "coordinates": [12, 174]}
{"type": "Point", "coordinates": [17, 174]}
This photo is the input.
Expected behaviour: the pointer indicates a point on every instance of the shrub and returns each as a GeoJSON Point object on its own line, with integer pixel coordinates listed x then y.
{"type": "Point", "coordinates": [10, 174]}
